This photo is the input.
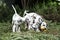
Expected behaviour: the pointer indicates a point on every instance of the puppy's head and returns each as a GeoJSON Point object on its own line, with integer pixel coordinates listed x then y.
{"type": "Point", "coordinates": [43, 26]}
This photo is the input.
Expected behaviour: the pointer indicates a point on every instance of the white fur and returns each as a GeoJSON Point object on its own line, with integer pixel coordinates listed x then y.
{"type": "Point", "coordinates": [30, 17]}
{"type": "Point", "coordinates": [44, 24]}
{"type": "Point", "coordinates": [16, 21]}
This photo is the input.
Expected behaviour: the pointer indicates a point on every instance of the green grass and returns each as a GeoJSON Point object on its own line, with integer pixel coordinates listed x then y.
{"type": "Point", "coordinates": [28, 36]}
{"type": "Point", "coordinates": [7, 34]}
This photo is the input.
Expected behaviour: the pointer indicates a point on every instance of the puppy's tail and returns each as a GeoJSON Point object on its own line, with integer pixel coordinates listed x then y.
{"type": "Point", "coordinates": [25, 12]}
{"type": "Point", "coordinates": [14, 8]}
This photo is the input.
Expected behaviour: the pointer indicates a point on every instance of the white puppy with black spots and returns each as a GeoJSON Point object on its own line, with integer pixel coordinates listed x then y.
{"type": "Point", "coordinates": [34, 20]}
{"type": "Point", "coordinates": [16, 21]}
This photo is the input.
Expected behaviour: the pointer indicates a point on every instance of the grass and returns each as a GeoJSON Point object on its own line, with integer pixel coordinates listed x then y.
{"type": "Point", "coordinates": [7, 34]}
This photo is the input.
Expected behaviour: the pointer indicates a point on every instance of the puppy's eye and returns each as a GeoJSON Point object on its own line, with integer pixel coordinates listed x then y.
{"type": "Point", "coordinates": [43, 25]}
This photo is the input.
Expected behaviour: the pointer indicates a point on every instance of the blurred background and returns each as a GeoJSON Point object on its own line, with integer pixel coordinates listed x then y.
{"type": "Point", "coordinates": [50, 9]}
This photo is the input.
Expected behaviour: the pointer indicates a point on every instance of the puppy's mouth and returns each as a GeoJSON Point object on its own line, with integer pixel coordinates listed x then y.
{"type": "Point", "coordinates": [41, 28]}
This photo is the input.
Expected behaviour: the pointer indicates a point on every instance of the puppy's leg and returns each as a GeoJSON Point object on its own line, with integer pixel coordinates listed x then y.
{"type": "Point", "coordinates": [13, 28]}
{"type": "Point", "coordinates": [18, 28]}
{"type": "Point", "coordinates": [29, 27]}
{"type": "Point", "coordinates": [37, 30]}
{"type": "Point", "coordinates": [26, 26]}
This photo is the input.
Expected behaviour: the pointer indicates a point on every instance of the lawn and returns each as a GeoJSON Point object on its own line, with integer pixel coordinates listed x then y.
{"type": "Point", "coordinates": [6, 33]}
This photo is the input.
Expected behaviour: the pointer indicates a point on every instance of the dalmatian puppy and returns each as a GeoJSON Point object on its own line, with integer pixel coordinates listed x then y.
{"type": "Point", "coordinates": [16, 21]}
{"type": "Point", "coordinates": [33, 19]}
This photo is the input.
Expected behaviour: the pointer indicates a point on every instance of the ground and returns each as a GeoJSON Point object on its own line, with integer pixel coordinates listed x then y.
{"type": "Point", "coordinates": [6, 33]}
